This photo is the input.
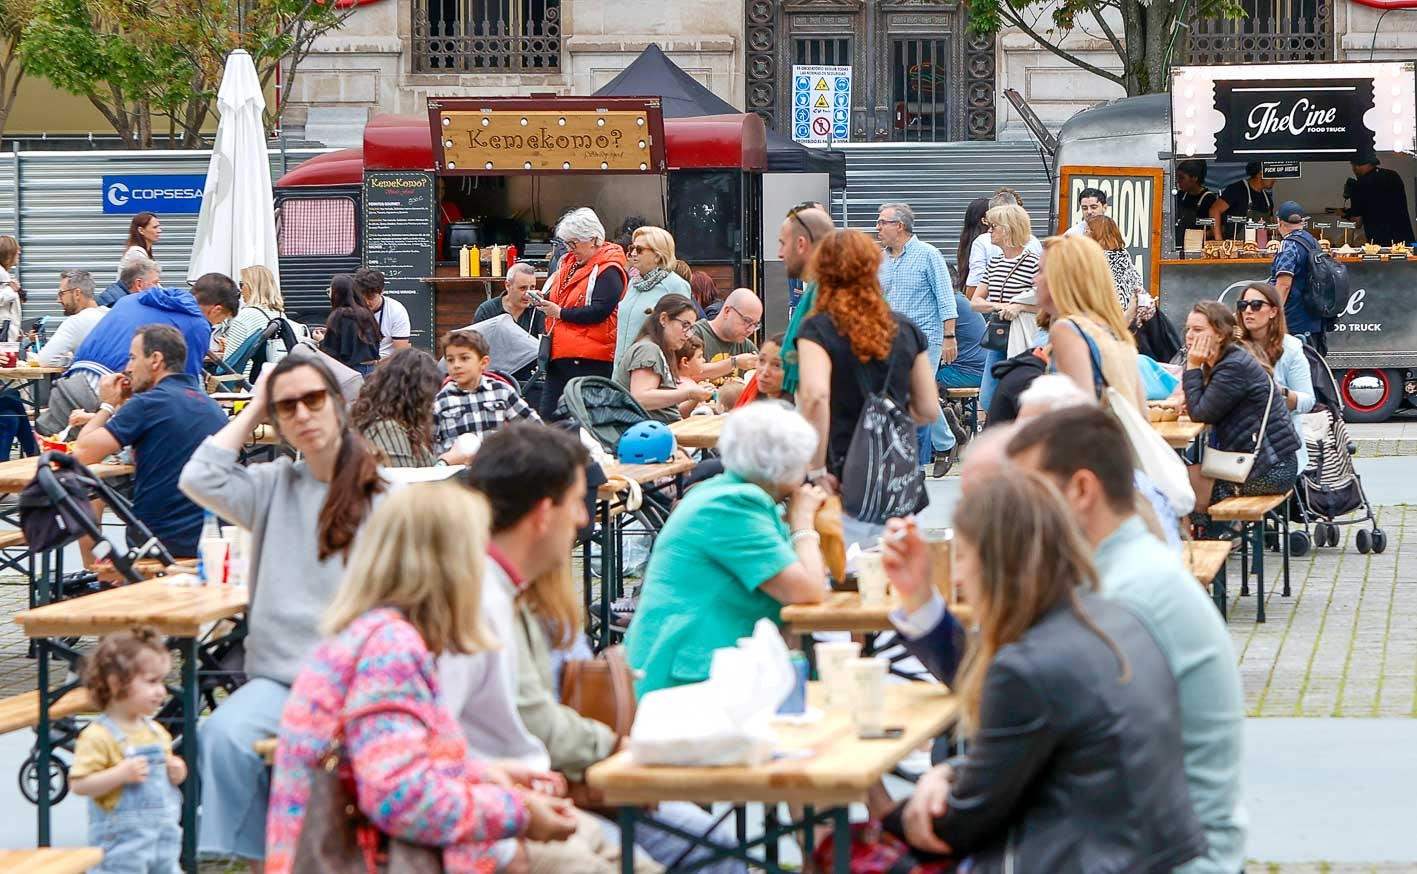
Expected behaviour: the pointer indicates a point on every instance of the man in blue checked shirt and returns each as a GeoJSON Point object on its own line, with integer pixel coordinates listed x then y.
{"type": "Point", "coordinates": [916, 282]}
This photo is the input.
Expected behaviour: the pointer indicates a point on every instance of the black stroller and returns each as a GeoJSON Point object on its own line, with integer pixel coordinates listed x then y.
{"type": "Point", "coordinates": [1329, 487]}
{"type": "Point", "coordinates": [55, 510]}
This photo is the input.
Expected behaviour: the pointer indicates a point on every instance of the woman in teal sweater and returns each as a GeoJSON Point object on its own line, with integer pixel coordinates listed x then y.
{"type": "Point", "coordinates": [727, 557]}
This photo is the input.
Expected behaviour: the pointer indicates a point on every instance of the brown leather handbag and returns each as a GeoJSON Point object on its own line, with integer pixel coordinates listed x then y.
{"type": "Point", "coordinates": [337, 838]}
{"type": "Point", "coordinates": [602, 689]}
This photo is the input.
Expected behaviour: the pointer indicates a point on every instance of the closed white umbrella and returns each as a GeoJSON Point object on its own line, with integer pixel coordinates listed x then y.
{"type": "Point", "coordinates": [237, 226]}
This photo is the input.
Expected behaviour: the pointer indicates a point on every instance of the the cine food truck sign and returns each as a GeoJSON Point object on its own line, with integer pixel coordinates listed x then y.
{"type": "Point", "coordinates": [506, 137]}
{"type": "Point", "coordinates": [1314, 112]}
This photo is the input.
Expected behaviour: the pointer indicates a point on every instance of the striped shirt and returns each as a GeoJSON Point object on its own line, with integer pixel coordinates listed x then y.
{"type": "Point", "coordinates": [917, 285]}
{"type": "Point", "coordinates": [1007, 278]}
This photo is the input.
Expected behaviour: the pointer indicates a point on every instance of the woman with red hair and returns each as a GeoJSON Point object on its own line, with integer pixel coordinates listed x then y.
{"type": "Point", "coordinates": [852, 344]}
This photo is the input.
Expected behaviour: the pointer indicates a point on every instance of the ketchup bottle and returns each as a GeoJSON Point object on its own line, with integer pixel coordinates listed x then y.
{"type": "Point", "coordinates": [511, 255]}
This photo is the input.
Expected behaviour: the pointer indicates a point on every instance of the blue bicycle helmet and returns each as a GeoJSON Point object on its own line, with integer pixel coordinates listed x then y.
{"type": "Point", "coordinates": [648, 442]}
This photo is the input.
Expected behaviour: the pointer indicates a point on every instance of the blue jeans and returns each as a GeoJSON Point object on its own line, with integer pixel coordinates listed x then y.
{"type": "Point", "coordinates": [987, 382]}
{"type": "Point", "coordinates": [936, 437]}
{"type": "Point", "coordinates": [15, 425]}
{"type": "Point", "coordinates": [950, 376]}
{"type": "Point", "coordinates": [236, 783]}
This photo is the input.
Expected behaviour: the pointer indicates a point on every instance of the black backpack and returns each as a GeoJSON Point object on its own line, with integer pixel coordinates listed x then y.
{"type": "Point", "coordinates": [881, 476]}
{"type": "Point", "coordinates": [1326, 290]}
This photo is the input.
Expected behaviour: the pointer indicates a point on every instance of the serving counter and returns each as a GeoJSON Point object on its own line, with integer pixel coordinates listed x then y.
{"type": "Point", "coordinates": [1377, 327]}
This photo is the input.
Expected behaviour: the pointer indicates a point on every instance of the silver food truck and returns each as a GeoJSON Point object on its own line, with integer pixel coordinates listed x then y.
{"type": "Point", "coordinates": [1300, 127]}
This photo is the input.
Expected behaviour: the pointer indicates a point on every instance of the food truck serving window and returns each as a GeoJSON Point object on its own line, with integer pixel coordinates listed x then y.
{"type": "Point", "coordinates": [322, 226]}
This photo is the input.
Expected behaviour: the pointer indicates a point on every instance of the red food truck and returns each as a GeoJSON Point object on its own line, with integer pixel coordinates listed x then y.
{"type": "Point", "coordinates": [501, 172]}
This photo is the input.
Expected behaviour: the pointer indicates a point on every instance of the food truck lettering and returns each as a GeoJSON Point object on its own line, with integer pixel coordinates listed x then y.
{"type": "Point", "coordinates": [1303, 116]}
{"type": "Point", "coordinates": [500, 141]}
{"type": "Point", "coordinates": [1303, 119]}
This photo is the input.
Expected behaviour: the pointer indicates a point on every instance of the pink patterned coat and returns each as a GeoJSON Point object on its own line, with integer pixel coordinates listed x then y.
{"type": "Point", "coordinates": [413, 778]}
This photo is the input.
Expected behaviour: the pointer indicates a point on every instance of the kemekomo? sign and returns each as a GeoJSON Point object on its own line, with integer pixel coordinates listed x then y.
{"type": "Point", "coordinates": [479, 142]}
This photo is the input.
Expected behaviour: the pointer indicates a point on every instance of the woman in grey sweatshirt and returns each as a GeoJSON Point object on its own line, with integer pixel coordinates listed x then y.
{"type": "Point", "coordinates": [302, 516]}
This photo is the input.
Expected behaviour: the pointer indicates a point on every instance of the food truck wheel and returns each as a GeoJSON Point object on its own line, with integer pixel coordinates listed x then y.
{"type": "Point", "coordinates": [1371, 395]}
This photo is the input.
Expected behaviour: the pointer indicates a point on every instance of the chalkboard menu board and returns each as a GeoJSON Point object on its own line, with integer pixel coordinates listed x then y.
{"type": "Point", "coordinates": [399, 211]}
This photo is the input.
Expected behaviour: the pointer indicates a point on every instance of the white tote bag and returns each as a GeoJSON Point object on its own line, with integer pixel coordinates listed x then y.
{"type": "Point", "coordinates": [1154, 457]}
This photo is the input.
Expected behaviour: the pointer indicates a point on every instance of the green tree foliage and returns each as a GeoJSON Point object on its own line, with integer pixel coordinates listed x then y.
{"type": "Point", "coordinates": [147, 64]}
{"type": "Point", "coordinates": [1145, 43]}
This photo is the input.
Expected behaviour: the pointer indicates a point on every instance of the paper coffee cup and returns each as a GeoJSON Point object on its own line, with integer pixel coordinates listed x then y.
{"type": "Point", "coordinates": [866, 684]}
{"type": "Point", "coordinates": [871, 579]}
{"type": "Point", "coordinates": [832, 657]}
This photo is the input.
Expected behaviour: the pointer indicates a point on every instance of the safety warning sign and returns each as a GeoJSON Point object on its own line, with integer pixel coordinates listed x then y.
{"type": "Point", "coordinates": [821, 104]}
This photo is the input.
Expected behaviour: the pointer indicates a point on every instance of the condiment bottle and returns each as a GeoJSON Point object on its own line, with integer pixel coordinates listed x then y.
{"type": "Point", "coordinates": [496, 260]}
{"type": "Point", "coordinates": [463, 262]}
{"type": "Point", "coordinates": [511, 255]}
{"type": "Point", "coordinates": [474, 261]}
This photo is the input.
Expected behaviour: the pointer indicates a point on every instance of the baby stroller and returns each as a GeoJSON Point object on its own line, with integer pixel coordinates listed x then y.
{"type": "Point", "coordinates": [1329, 487]}
{"type": "Point", "coordinates": [54, 512]}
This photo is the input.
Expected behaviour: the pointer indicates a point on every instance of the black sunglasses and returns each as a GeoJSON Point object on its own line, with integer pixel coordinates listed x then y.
{"type": "Point", "coordinates": [792, 214]}
{"type": "Point", "coordinates": [1255, 305]}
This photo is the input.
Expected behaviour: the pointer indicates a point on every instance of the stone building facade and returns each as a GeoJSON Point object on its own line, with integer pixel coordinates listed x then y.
{"type": "Point", "coordinates": [392, 55]}
{"type": "Point", "coordinates": [919, 74]}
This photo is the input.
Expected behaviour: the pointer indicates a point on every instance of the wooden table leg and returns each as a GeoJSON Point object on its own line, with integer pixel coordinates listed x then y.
{"type": "Point", "coordinates": [187, 646]}
{"type": "Point", "coordinates": [627, 840]}
{"type": "Point", "coordinates": [841, 841]}
{"type": "Point", "coordinates": [44, 756]}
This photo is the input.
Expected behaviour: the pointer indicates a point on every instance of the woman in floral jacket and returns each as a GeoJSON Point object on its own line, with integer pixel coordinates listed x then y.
{"type": "Point", "coordinates": [375, 684]}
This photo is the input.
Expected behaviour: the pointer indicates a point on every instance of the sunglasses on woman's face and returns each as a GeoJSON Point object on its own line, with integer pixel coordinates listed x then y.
{"type": "Point", "coordinates": [1254, 305]}
{"type": "Point", "coordinates": [313, 401]}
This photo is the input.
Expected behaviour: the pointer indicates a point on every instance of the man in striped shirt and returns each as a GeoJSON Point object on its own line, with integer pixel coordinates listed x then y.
{"type": "Point", "coordinates": [916, 282]}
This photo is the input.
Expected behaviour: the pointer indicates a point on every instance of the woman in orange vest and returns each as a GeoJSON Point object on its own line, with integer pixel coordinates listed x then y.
{"type": "Point", "coordinates": [581, 298]}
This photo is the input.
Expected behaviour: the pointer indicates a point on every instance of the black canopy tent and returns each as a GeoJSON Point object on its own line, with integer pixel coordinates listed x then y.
{"type": "Point", "coordinates": [682, 96]}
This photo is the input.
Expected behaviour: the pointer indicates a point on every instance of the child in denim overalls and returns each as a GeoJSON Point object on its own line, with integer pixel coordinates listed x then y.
{"type": "Point", "coordinates": [123, 761]}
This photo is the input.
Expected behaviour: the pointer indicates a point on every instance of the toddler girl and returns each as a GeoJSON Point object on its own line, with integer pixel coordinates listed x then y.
{"type": "Point", "coordinates": [123, 761]}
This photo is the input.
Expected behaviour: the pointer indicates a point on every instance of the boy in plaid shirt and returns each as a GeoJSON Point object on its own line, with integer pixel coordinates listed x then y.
{"type": "Point", "coordinates": [471, 403]}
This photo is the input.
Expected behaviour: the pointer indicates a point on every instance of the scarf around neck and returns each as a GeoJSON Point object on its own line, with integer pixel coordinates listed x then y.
{"type": "Point", "coordinates": [647, 281]}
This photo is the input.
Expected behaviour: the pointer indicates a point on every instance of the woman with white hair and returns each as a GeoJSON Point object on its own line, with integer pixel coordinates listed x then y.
{"type": "Point", "coordinates": [706, 587]}
{"type": "Point", "coordinates": [581, 298]}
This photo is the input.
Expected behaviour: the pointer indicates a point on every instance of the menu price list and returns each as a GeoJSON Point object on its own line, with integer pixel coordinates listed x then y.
{"type": "Point", "coordinates": [399, 236]}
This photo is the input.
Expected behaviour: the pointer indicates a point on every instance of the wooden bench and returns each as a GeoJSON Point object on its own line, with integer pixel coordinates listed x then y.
{"type": "Point", "coordinates": [266, 749]}
{"type": "Point", "coordinates": [1205, 559]}
{"type": "Point", "coordinates": [12, 539]}
{"type": "Point", "coordinates": [147, 568]}
{"type": "Point", "coordinates": [22, 711]}
{"type": "Point", "coordinates": [969, 400]}
{"type": "Point", "coordinates": [1252, 512]}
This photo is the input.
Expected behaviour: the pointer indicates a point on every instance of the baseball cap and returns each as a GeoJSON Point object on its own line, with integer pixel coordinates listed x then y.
{"type": "Point", "coordinates": [1290, 211]}
{"type": "Point", "coordinates": [1362, 158]}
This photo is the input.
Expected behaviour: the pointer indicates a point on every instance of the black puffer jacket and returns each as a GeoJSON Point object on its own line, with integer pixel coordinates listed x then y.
{"type": "Point", "coordinates": [1232, 403]}
{"type": "Point", "coordinates": [1074, 770]}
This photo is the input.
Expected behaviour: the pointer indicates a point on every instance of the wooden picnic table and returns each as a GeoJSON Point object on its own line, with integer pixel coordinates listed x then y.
{"type": "Point", "coordinates": [1181, 433]}
{"type": "Point", "coordinates": [17, 473]}
{"type": "Point", "coordinates": [643, 473]}
{"type": "Point", "coordinates": [822, 764]}
{"type": "Point", "coordinates": [698, 432]}
{"type": "Point", "coordinates": [843, 611]}
{"type": "Point", "coordinates": [48, 860]}
{"type": "Point", "coordinates": [839, 770]}
{"type": "Point", "coordinates": [177, 611]}
{"type": "Point", "coordinates": [27, 372]}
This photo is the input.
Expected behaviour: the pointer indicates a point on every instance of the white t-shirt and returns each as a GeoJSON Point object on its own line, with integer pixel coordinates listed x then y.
{"type": "Point", "coordinates": [59, 350]}
{"type": "Point", "coordinates": [393, 325]}
{"type": "Point", "coordinates": [130, 253]}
